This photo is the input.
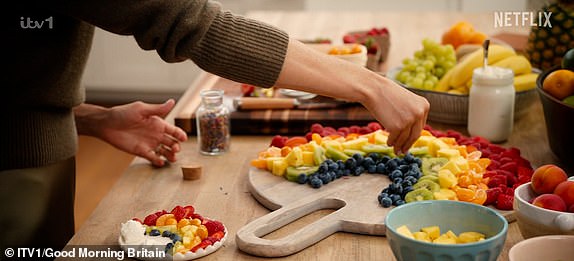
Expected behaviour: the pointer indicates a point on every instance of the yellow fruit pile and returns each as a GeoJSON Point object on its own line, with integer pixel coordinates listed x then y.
{"type": "Point", "coordinates": [432, 234]}
{"type": "Point", "coordinates": [458, 80]}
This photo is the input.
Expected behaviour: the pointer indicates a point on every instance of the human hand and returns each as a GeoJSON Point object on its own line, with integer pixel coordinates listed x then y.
{"type": "Point", "coordinates": [137, 128]}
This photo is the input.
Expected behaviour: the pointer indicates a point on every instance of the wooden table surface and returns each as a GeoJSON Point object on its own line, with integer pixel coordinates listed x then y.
{"type": "Point", "coordinates": [222, 192]}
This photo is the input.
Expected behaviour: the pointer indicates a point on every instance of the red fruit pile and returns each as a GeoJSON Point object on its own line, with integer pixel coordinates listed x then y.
{"type": "Point", "coordinates": [282, 141]}
{"type": "Point", "coordinates": [507, 169]}
{"type": "Point", "coordinates": [367, 38]}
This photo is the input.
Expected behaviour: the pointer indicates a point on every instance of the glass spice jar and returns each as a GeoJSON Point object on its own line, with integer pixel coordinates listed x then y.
{"type": "Point", "coordinates": [213, 124]}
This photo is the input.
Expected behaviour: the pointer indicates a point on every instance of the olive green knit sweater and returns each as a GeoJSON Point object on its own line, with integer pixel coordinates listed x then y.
{"type": "Point", "coordinates": [48, 43]}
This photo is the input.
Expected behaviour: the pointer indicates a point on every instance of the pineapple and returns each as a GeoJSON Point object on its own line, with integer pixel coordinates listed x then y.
{"type": "Point", "coordinates": [546, 46]}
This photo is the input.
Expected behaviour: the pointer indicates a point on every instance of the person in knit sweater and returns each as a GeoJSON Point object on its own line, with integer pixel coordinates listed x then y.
{"type": "Point", "coordinates": [46, 45]}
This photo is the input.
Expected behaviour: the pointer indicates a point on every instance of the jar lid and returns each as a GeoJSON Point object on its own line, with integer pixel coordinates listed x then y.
{"type": "Point", "coordinates": [492, 75]}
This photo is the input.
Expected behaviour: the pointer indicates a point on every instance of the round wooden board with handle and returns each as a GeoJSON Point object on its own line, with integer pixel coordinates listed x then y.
{"type": "Point", "coordinates": [354, 199]}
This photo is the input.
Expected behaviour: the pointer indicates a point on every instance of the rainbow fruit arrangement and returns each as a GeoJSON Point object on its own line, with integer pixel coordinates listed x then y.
{"type": "Point", "coordinates": [440, 165]}
{"type": "Point", "coordinates": [448, 66]}
{"type": "Point", "coordinates": [188, 230]}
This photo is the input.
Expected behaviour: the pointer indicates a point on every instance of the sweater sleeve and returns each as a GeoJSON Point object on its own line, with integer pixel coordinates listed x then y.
{"type": "Point", "coordinates": [228, 45]}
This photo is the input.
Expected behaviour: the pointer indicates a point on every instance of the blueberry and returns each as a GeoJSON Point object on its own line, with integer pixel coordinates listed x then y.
{"type": "Point", "coordinates": [405, 168]}
{"type": "Point", "coordinates": [168, 247]}
{"type": "Point", "coordinates": [333, 166]}
{"type": "Point", "coordinates": [396, 188]}
{"type": "Point", "coordinates": [340, 172]}
{"type": "Point", "coordinates": [386, 190]}
{"type": "Point", "coordinates": [154, 233]}
{"type": "Point", "coordinates": [395, 174]}
{"type": "Point", "coordinates": [351, 163]}
{"type": "Point", "coordinates": [385, 159]}
{"type": "Point", "coordinates": [383, 195]}
{"type": "Point", "coordinates": [419, 162]}
{"type": "Point", "coordinates": [176, 238]}
{"type": "Point", "coordinates": [359, 170]}
{"type": "Point", "coordinates": [409, 158]}
{"type": "Point", "coordinates": [323, 168]}
{"type": "Point", "coordinates": [399, 202]}
{"type": "Point", "coordinates": [395, 197]}
{"type": "Point", "coordinates": [325, 178]}
{"type": "Point", "coordinates": [386, 202]}
{"type": "Point", "coordinates": [407, 189]}
{"type": "Point", "coordinates": [346, 172]}
{"type": "Point", "coordinates": [372, 169]}
{"type": "Point", "coordinates": [316, 183]}
{"type": "Point", "coordinates": [392, 165]}
{"type": "Point", "coordinates": [411, 179]}
{"type": "Point", "coordinates": [302, 179]}
{"type": "Point", "coordinates": [398, 180]}
{"type": "Point", "coordinates": [166, 233]}
{"type": "Point", "coordinates": [341, 164]}
{"type": "Point", "coordinates": [329, 161]}
{"type": "Point", "coordinates": [332, 175]}
{"type": "Point", "coordinates": [406, 183]}
{"type": "Point", "coordinates": [359, 158]}
{"type": "Point", "coordinates": [381, 169]}
{"type": "Point", "coordinates": [367, 162]}
{"type": "Point", "coordinates": [375, 156]}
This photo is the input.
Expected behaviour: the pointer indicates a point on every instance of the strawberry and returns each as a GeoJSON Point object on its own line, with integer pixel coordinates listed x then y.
{"type": "Point", "coordinates": [504, 202]}
{"type": "Point", "coordinates": [492, 195]}
{"type": "Point", "coordinates": [178, 212]}
{"type": "Point", "coordinates": [213, 226]}
{"type": "Point", "coordinates": [150, 219]}
{"type": "Point", "coordinates": [189, 211]}
{"type": "Point", "coordinates": [218, 235]}
{"type": "Point", "coordinates": [198, 216]}
{"type": "Point", "coordinates": [205, 243]}
{"type": "Point", "coordinates": [137, 219]}
{"type": "Point", "coordinates": [309, 136]}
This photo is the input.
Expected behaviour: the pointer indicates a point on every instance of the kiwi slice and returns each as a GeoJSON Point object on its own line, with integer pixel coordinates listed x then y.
{"type": "Point", "coordinates": [292, 173]}
{"type": "Point", "coordinates": [427, 184]}
{"type": "Point", "coordinates": [432, 178]}
{"type": "Point", "coordinates": [431, 166]}
{"type": "Point", "coordinates": [419, 194]}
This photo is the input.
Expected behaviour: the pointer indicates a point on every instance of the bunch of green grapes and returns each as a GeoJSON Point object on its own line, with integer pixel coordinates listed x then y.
{"type": "Point", "coordinates": [428, 65]}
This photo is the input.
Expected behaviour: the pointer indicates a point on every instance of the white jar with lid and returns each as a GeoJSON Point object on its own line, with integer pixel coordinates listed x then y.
{"type": "Point", "coordinates": [491, 103]}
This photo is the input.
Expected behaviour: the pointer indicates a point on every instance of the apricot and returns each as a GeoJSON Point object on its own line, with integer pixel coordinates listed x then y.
{"type": "Point", "coordinates": [566, 191]}
{"type": "Point", "coordinates": [559, 83]}
{"type": "Point", "coordinates": [550, 201]}
{"type": "Point", "coordinates": [545, 178]}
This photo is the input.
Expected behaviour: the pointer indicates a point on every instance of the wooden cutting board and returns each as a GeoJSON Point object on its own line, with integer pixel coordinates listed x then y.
{"type": "Point", "coordinates": [267, 122]}
{"type": "Point", "coordinates": [354, 199]}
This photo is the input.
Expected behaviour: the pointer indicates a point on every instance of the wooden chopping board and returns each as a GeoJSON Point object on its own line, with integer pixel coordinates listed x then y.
{"type": "Point", "coordinates": [354, 199]}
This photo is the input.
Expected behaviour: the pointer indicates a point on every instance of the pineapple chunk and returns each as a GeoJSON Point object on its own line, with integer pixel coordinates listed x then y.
{"type": "Point", "coordinates": [433, 231]}
{"type": "Point", "coordinates": [446, 179]}
{"type": "Point", "coordinates": [444, 239]}
{"type": "Point", "coordinates": [452, 166]}
{"type": "Point", "coordinates": [435, 145]}
{"type": "Point", "coordinates": [355, 144]}
{"type": "Point", "coordinates": [469, 237]}
{"type": "Point", "coordinates": [422, 236]}
{"type": "Point", "coordinates": [295, 157]}
{"type": "Point", "coordinates": [405, 231]}
{"type": "Point", "coordinates": [308, 159]}
{"type": "Point", "coordinates": [448, 153]}
{"type": "Point", "coordinates": [423, 141]}
{"type": "Point", "coordinates": [279, 167]}
{"type": "Point", "coordinates": [461, 162]}
{"type": "Point", "coordinates": [445, 194]}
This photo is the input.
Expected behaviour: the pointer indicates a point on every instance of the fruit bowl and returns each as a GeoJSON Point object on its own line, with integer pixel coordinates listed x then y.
{"type": "Point", "coordinates": [536, 221]}
{"type": "Point", "coordinates": [556, 247]}
{"type": "Point", "coordinates": [448, 215]}
{"type": "Point", "coordinates": [558, 117]}
{"type": "Point", "coordinates": [453, 108]}
{"type": "Point", "coordinates": [359, 58]}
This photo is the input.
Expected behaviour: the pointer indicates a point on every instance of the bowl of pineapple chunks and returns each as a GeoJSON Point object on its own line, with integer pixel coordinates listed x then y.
{"type": "Point", "coordinates": [445, 230]}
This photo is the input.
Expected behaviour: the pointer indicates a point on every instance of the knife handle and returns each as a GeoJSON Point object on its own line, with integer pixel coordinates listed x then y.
{"type": "Point", "coordinates": [255, 103]}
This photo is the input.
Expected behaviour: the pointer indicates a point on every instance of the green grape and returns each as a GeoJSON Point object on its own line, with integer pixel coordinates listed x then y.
{"type": "Point", "coordinates": [416, 83]}
{"type": "Point", "coordinates": [421, 75]}
{"type": "Point", "coordinates": [421, 69]}
{"type": "Point", "coordinates": [428, 85]}
{"type": "Point", "coordinates": [439, 71]}
{"type": "Point", "coordinates": [403, 76]}
{"type": "Point", "coordinates": [428, 65]}
{"type": "Point", "coordinates": [419, 54]}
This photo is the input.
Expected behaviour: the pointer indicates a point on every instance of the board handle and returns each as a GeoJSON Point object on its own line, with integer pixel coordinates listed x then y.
{"type": "Point", "coordinates": [249, 239]}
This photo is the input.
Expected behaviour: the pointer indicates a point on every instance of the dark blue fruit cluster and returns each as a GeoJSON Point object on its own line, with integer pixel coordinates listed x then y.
{"type": "Point", "coordinates": [404, 172]}
{"type": "Point", "coordinates": [166, 233]}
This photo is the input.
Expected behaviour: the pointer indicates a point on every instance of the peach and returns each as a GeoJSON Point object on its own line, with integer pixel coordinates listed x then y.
{"type": "Point", "coordinates": [550, 201]}
{"type": "Point", "coordinates": [566, 191]}
{"type": "Point", "coordinates": [545, 178]}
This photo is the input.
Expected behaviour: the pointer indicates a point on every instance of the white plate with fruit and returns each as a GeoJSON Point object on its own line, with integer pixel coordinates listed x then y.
{"type": "Point", "coordinates": [180, 234]}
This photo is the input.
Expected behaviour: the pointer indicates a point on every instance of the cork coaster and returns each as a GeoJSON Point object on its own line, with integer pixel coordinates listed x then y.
{"type": "Point", "coordinates": [191, 171]}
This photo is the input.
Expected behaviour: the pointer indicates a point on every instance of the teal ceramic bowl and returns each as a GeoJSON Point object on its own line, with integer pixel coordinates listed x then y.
{"type": "Point", "coordinates": [454, 215]}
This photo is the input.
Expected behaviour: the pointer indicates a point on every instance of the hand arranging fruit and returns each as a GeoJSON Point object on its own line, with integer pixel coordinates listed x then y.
{"type": "Point", "coordinates": [440, 165]}
{"type": "Point", "coordinates": [553, 190]}
{"type": "Point", "coordinates": [181, 230]}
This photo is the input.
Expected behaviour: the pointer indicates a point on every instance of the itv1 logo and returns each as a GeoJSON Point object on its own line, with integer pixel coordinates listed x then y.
{"type": "Point", "coordinates": [29, 23]}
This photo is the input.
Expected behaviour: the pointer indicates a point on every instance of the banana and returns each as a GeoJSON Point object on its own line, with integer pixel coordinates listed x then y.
{"type": "Point", "coordinates": [463, 70]}
{"type": "Point", "coordinates": [443, 83]}
{"type": "Point", "coordinates": [517, 63]}
{"type": "Point", "coordinates": [525, 82]}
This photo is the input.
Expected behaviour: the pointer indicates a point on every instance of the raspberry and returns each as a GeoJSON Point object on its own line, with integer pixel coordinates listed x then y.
{"type": "Point", "coordinates": [374, 126]}
{"type": "Point", "coordinates": [365, 130]}
{"type": "Point", "coordinates": [178, 212]}
{"type": "Point", "coordinates": [354, 129]}
{"type": "Point", "coordinates": [504, 202]}
{"type": "Point", "coordinates": [278, 141]}
{"type": "Point", "coordinates": [497, 180]}
{"type": "Point", "coordinates": [213, 226]}
{"type": "Point", "coordinates": [316, 128]}
{"type": "Point", "coordinates": [492, 195]}
{"type": "Point", "coordinates": [344, 130]}
{"type": "Point", "coordinates": [510, 166]}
